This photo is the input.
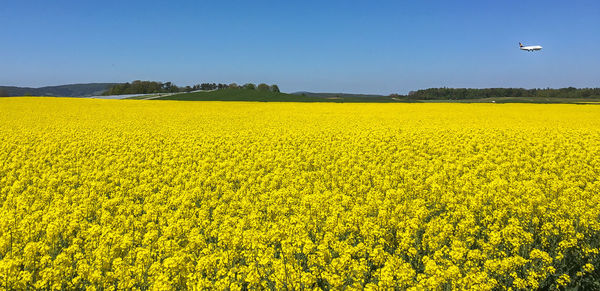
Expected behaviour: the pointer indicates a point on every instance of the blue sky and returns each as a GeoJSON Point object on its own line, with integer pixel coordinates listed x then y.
{"type": "Point", "coordinates": [334, 46]}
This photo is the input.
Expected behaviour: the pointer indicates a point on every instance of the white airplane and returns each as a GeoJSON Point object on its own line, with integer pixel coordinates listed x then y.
{"type": "Point", "coordinates": [530, 47]}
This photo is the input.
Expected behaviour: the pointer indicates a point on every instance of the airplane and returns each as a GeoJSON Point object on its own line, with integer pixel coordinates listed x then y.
{"type": "Point", "coordinates": [530, 47]}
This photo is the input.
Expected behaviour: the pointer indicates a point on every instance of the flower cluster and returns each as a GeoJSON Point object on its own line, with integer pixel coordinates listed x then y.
{"type": "Point", "coordinates": [109, 194]}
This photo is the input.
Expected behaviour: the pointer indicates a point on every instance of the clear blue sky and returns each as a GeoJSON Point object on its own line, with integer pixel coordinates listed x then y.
{"type": "Point", "coordinates": [335, 46]}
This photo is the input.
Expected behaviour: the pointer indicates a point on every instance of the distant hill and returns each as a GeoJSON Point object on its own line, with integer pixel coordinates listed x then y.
{"type": "Point", "coordinates": [240, 94]}
{"type": "Point", "coordinates": [73, 90]}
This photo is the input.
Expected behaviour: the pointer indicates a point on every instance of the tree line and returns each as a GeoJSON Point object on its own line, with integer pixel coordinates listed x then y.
{"type": "Point", "coordinates": [150, 87]}
{"type": "Point", "coordinates": [468, 93]}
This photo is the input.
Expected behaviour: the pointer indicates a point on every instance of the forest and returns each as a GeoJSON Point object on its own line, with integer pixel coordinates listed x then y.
{"type": "Point", "coordinates": [469, 93]}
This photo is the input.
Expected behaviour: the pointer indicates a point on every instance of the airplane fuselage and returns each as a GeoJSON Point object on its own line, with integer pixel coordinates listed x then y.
{"type": "Point", "coordinates": [531, 48]}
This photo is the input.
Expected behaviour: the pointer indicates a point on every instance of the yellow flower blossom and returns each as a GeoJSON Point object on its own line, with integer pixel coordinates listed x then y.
{"type": "Point", "coordinates": [152, 195]}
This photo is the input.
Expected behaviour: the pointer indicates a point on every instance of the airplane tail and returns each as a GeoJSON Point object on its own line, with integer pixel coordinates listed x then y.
{"type": "Point", "coordinates": [520, 45]}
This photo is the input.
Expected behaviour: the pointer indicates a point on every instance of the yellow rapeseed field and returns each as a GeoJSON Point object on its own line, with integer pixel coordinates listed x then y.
{"type": "Point", "coordinates": [112, 194]}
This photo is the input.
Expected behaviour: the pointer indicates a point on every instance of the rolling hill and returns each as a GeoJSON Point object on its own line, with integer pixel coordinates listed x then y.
{"type": "Point", "coordinates": [337, 95]}
{"type": "Point", "coordinates": [72, 90]}
{"type": "Point", "coordinates": [239, 94]}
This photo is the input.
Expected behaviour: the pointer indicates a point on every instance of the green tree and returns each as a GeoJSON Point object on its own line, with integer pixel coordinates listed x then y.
{"type": "Point", "coordinates": [466, 93]}
{"type": "Point", "coordinates": [275, 88]}
{"type": "Point", "coordinates": [263, 87]}
{"type": "Point", "coordinates": [208, 86]}
{"type": "Point", "coordinates": [249, 86]}
{"type": "Point", "coordinates": [142, 87]}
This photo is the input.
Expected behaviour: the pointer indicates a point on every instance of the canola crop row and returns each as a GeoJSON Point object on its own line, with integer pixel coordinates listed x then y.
{"type": "Point", "coordinates": [108, 194]}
